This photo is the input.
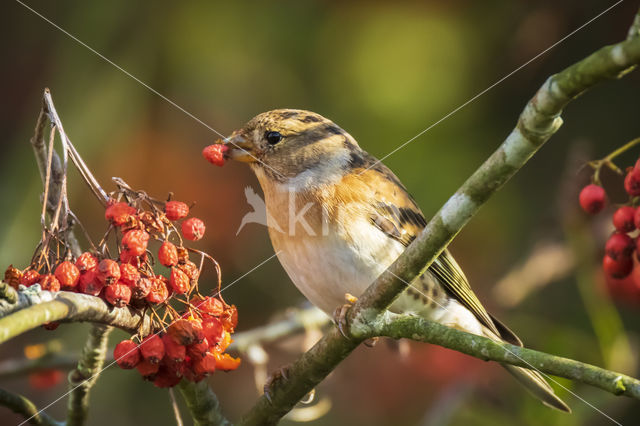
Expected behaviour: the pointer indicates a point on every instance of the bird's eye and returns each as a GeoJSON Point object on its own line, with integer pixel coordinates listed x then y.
{"type": "Point", "coordinates": [273, 137]}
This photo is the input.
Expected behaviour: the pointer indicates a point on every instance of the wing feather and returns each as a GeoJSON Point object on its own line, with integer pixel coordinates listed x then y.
{"type": "Point", "coordinates": [398, 216]}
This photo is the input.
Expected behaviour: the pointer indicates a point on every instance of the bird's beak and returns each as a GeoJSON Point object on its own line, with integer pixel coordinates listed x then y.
{"type": "Point", "coordinates": [239, 148]}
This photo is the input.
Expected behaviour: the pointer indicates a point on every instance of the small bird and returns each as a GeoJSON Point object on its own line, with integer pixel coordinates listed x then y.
{"type": "Point", "coordinates": [338, 218]}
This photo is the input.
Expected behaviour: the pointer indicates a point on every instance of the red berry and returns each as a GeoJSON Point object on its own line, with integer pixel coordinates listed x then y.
{"type": "Point", "coordinates": [127, 354]}
{"type": "Point", "coordinates": [210, 305]}
{"type": "Point", "coordinates": [632, 182]}
{"type": "Point", "coordinates": [198, 350]}
{"type": "Point", "coordinates": [141, 288]}
{"type": "Point", "coordinates": [193, 229]}
{"type": "Point", "coordinates": [168, 254]}
{"type": "Point", "coordinates": [166, 377]}
{"type": "Point", "coordinates": [623, 219]}
{"type": "Point", "coordinates": [173, 351]}
{"type": "Point", "coordinates": [204, 365]}
{"type": "Point", "coordinates": [118, 294]}
{"type": "Point", "coordinates": [147, 369]}
{"type": "Point", "coordinates": [619, 246]}
{"type": "Point", "coordinates": [129, 274]}
{"type": "Point", "coordinates": [68, 274]}
{"type": "Point", "coordinates": [108, 271]}
{"type": "Point", "coordinates": [152, 348]}
{"type": "Point", "coordinates": [626, 290]}
{"type": "Point", "coordinates": [592, 198]}
{"type": "Point", "coordinates": [213, 330]}
{"type": "Point", "coordinates": [176, 210]}
{"type": "Point", "coordinates": [135, 242]}
{"type": "Point", "coordinates": [158, 292]}
{"type": "Point", "coordinates": [29, 278]}
{"type": "Point", "coordinates": [50, 325]}
{"type": "Point", "coordinates": [49, 283]}
{"type": "Point", "coordinates": [182, 332]}
{"type": "Point", "coordinates": [215, 154]}
{"type": "Point", "coordinates": [45, 379]}
{"type": "Point", "coordinates": [617, 268]}
{"type": "Point", "coordinates": [86, 261]}
{"type": "Point", "coordinates": [89, 284]}
{"type": "Point", "coordinates": [179, 281]}
{"type": "Point", "coordinates": [119, 213]}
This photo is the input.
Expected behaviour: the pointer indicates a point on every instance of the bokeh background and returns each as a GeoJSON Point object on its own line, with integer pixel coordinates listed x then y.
{"type": "Point", "coordinates": [384, 71]}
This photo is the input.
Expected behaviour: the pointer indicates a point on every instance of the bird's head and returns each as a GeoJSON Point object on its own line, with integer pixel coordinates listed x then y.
{"type": "Point", "coordinates": [284, 143]}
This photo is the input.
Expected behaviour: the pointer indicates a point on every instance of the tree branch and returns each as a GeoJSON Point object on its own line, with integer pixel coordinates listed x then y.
{"type": "Point", "coordinates": [36, 307]}
{"type": "Point", "coordinates": [536, 124]}
{"type": "Point", "coordinates": [202, 403]}
{"type": "Point", "coordinates": [420, 329]}
{"type": "Point", "coordinates": [21, 405]}
{"type": "Point", "coordinates": [86, 373]}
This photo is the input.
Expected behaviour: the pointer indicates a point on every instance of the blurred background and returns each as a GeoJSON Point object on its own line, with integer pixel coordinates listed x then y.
{"type": "Point", "coordinates": [384, 71]}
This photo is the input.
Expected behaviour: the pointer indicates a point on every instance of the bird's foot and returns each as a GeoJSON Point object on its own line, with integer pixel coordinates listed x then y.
{"type": "Point", "coordinates": [280, 374]}
{"type": "Point", "coordinates": [371, 342]}
{"type": "Point", "coordinates": [340, 315]}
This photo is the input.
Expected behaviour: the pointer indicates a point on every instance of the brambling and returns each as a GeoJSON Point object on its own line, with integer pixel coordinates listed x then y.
{"type": "Point", "coordinates": [337, 218]}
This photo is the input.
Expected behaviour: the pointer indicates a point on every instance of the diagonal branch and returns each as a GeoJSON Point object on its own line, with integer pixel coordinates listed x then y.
{"type": "Point", "coordinates": [21, 405]}
{"type": "Point", "coordinates": [536, 124]}
{"type": "Point", "coordinates": [420, 329]}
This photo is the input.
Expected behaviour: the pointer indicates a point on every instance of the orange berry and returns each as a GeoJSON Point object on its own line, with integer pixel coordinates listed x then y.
{"type": "Point", "coordinates": [68, 274]}
{"type": "Point", "coordinates": [168, 254]}
{"type": "Point", "coordinates": [119, 213]}
{"type": "Point", "coordinates": [193, 229]}
{"type": "Point", "coordinates": [179, 281]}
{"type": "Point", "coordinates": [86, 261]}
{"type": "Point", "coordinates": [176, 210]}
{"type": "Point", "coordinates": [135, 242]}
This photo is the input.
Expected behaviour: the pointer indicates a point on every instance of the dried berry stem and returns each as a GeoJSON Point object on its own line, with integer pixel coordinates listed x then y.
{"type": "Point", "coordinates": [537, 123]}
{"type": "Point", "coordinates": [608, 160]}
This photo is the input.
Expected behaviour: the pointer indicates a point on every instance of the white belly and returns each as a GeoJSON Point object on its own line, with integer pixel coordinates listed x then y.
{"type": "Point", "coordinates": [324, 268]}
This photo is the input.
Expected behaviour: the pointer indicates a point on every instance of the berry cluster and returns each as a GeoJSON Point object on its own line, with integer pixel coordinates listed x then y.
{"type": "Point", "coordinates": [193, 338]}
{"type": "Point", "coordinates": [191, 347]}
{"type": "Point", "coordinates": [623, 246]}
{"type": "Point", "coordinates": [129, 278]}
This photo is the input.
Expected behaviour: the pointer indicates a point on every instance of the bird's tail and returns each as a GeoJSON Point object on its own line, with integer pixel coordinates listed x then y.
{"type": "Point", "coordinates": [538, 386]}
{"type": "Point", "coordinates": [530, 379]}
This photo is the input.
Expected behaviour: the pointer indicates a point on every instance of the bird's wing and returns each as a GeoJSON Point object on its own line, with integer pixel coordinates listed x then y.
{"type": "Point", "coordinates": [396, 213]}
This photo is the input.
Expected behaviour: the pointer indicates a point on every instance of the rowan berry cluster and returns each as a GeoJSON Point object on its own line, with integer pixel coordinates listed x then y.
{"type": "Point", "coordinates": [191, 347]}
{"type": "Point", "coordinates": [129, 278]}
{"type": "Point", "coordinates": [622, 248]}
{"type": "Point", "coordinates": [195, 330]}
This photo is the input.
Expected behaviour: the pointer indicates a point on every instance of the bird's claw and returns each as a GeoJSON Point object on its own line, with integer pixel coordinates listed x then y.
{"type": "Point", "coordinates": [280, 374]}
{"type": "Point", "coordinates": [340, 315]}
